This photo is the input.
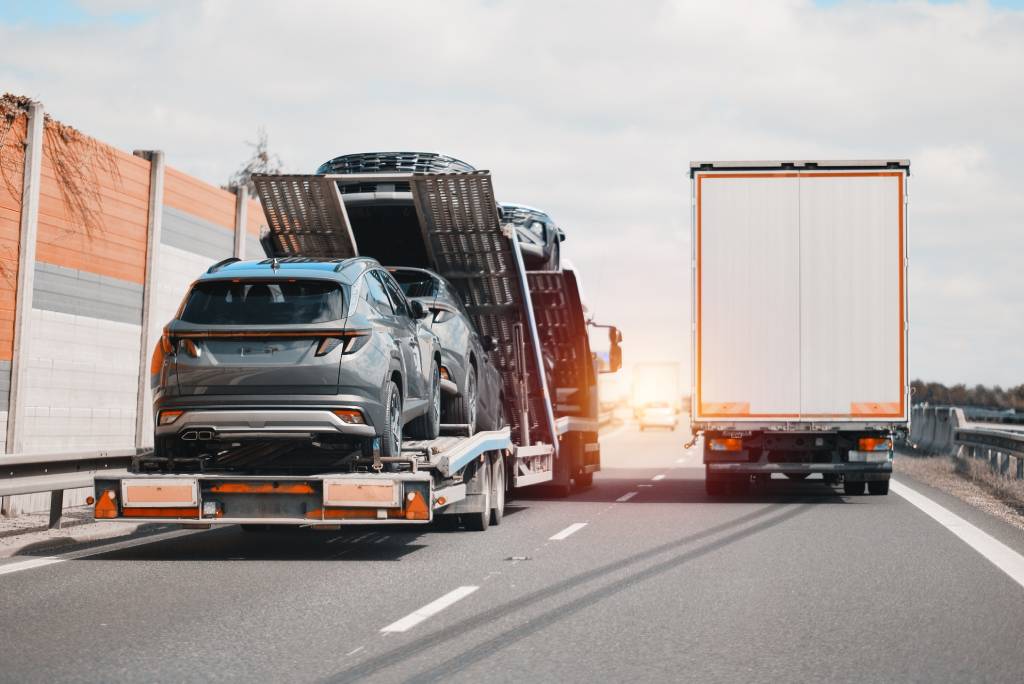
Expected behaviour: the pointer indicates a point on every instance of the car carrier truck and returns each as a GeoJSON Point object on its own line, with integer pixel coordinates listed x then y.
{"type": "Point", "coordinates": [551, 437]}
{"type": "Point", "coordinates": [800, 320]}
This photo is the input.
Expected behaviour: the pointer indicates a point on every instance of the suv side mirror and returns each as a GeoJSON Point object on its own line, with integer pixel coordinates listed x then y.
{"type": "Point", "coordinates": [418, 310]}
{"type": "Point", "coordinates": [488, 344]}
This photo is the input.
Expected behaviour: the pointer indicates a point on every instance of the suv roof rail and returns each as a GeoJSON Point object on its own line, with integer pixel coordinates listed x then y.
{"type": "Point", "coordinates": [221, 264]}
{"type": "Point", "coordinates": [351, 260]}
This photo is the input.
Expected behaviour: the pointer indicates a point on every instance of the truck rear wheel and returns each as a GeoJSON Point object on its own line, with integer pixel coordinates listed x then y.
{"type": "Point", "coordinates": [854, 487]}
{"type": "Point", "coordinates": [498, 489]}
{"type": "Point", "coordinates": [879, 487]}
{"type": "Point", "coordinates": [481, 520]}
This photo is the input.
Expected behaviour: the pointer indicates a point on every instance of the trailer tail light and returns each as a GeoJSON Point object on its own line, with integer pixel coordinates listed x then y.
{"type": "Point", "coordinates": [874, 444]}
{"type": "Point", "coordinates": [106, 505]}
{"type": "Point", "coordinates": [168, 417]}
{"type": "Point", "coordinates": [726, 444]}
{"type": "Point", "coordinates": [350, 416]}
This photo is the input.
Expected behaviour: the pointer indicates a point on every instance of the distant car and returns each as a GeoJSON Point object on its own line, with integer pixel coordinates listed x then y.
{"type": "Point", "coordinates": [473, 393]}
{"type": "Point", "coordinates": [284, 362]}
{"type": "Point", "coordinates": [658, 416]}
{"type": "Point", "coordinates": [539, 238]}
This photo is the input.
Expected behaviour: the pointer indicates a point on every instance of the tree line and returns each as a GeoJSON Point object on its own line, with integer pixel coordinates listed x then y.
{"type": "Point", "coordinates": [980, 396]}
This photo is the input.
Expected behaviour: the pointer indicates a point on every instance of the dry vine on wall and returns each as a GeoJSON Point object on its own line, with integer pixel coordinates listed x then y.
{"type": "Point", "coordinates": [77, 161]}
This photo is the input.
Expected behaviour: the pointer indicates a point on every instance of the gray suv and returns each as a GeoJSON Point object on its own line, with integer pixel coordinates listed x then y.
{"type": "Point", "coordinates": [291, 364]}
{"type": "Point", "coordinates": [472, 386]}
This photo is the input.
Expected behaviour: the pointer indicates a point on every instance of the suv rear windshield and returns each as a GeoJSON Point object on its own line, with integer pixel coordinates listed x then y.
{"type": "Point", "coordinates": [264, 303]}
{"type": "Point", "coordinates": [415, 283]}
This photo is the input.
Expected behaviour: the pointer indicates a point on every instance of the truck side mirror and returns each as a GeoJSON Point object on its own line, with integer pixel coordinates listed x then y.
{"type": "Point", "coordinates": [560, 235]}
{"type": "Point", "coordinates": [488, 344]}
{"type": "Point", "coordinates": [614, 350]}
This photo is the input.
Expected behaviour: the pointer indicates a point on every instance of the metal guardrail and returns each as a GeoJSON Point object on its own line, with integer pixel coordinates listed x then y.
{"type": "Point", "coordinates": [56, 472]}
{"type": "Point", "coordinates": [944, 430]}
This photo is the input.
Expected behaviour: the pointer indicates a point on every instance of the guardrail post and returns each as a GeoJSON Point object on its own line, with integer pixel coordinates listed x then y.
{"type": "Point", "coordinates": [241, 219]}
{"type": "Point", "coordinates": [26, 275]}
{"type": "Point", "coordinates": [56, 508]}
{"type": "Point", "coordinates": [153, 230]}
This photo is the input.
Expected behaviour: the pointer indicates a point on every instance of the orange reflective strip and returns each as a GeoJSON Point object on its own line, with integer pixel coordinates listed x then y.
{"type": "Point", "coordinates": [870, 408]}
{"type": "Point", "coordinates": [726, 408]}
{"type": "Point", "coordinates": [161, 513]}
{"type": "Point", "coordinates": [262, 488]}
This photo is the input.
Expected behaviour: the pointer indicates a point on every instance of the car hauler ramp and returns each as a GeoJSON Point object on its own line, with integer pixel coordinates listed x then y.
{"type": "Point", "coordinates": [306, 216]}
{"type": "Point", "coordinates": [465, 243]}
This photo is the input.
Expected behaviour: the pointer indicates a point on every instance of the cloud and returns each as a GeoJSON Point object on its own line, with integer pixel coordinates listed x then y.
{"type": "Point", "coordinates": [593, 110]}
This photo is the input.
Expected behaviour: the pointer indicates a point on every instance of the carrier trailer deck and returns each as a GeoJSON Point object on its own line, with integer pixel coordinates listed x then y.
{"type": "Point", "coordinates": [551, 436]}
{"type": "Point", "coordinates": [800, 320]}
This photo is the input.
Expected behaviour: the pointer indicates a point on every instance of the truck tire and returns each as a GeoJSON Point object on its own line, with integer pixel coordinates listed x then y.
{"type": "Point", "coordinates": [480, 521]}
{"type": "Point", "coordinates": [584, 480]}
{"type": "Point", "coordinates": [498, 489]}
{"type": "Point", "coordinates": [879, 487]}
{"type": "Point", "coordinates": [853, 487]}
{"type": "Point", "coordinates": [428, 426]}
{"type": "Point", "coordinates": [391, 438]}
{"type": "Point", "coordinates": [461, 409]}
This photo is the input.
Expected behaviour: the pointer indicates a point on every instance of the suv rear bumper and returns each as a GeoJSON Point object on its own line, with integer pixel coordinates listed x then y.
{"type": "Point", "coordinates": [266, 423]}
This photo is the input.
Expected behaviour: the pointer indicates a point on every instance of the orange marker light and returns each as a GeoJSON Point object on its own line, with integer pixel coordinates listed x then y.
{"type": "Point", "coordinates": [874, 444]}
{"type": "Point", "coordinates": [726, 444]}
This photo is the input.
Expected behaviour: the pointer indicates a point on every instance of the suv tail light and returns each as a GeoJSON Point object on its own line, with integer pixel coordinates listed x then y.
{"type": "Point", "coordinates": [353, 341]}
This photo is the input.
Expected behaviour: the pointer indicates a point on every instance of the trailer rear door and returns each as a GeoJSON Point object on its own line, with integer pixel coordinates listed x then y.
{"type": "Point", "coordinates": [800, 302]}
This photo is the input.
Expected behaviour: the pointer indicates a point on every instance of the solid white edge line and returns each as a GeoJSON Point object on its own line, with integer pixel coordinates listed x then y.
{"type": "Point", "coordinates": [32, 563]}
{"type": "Point", "coordinates": [658, 477]}
{"type": "Point", "coordinates": [625, 497]}
{"type": "Point", "coordinates": [571, 529]}
{"type": "Point", "coordinates": [433, 608]}
{"type": "Point", "coordinates": [993, 550]}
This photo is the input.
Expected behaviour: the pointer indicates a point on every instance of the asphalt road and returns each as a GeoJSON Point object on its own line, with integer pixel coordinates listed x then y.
{"type": "Point", "coordinates": [646, 579]}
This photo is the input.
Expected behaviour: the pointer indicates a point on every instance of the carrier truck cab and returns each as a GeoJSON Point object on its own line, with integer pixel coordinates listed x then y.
{"type": "Point", "coordinates": [799, 320]}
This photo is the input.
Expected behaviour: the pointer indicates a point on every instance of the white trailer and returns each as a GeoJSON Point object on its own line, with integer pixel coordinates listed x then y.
{"type": "Point", "coordinates": [799, 319]}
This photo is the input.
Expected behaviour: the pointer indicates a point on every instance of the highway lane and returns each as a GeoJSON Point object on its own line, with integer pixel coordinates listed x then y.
{"type": "Point", "coordinates": [639, 577]}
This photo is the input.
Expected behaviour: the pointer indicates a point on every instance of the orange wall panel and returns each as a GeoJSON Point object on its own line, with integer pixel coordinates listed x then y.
{"type": "Point", "coordinates": [195, 197]}
{"type": "Point", "coordinates": [116, 247]}
{"type": "Point", "coordinates": [256, 221]}
{"type": "Point", "coordinates": [12, 159]}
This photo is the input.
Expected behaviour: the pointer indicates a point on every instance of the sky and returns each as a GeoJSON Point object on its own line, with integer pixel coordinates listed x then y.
{"type": "Point", "coordinates": [592, 111]}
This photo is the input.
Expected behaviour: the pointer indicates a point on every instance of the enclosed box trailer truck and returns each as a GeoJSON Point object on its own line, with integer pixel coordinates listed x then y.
{"type": "Point", "coordinates": [800, 320]}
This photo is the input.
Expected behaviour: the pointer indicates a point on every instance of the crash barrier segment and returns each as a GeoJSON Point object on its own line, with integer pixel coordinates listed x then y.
{"type": "Point", "coordinates": [54, 473]}
{"type": "Point", "coordinates": [945, 431]}
{"type": "Point", "coordinates": [88, 290]}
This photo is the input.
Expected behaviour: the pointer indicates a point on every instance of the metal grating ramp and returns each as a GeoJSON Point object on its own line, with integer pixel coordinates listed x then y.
{"type": "Point", "coordinates": [467, 245]}
{"type": "Point", "coordinates": [306, 217]}
{"type": "Point", "coordinates": [563, 333]}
